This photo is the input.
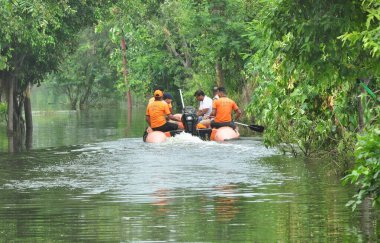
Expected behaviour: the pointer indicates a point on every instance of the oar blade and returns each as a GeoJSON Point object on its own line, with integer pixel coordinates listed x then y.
{"type": "Point", "coordinates": [256, 128]}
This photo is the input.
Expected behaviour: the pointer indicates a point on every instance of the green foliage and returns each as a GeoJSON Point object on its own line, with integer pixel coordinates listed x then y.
{"type": "Point", "coordinates": [170, 43]}
{"type": "Point", "coordinates": [86, 76]}
{"type": "Point", "coordinates": [306, 93]}
{"type": "Point", "coordinates": [42, 28]}
{"type": "Point", "coordinates": [34, 38]}
{"type": "Point", "coordinates": [367, 34]}
{"type": "Point", "coordinates": [305, 78]}
{"type": "Point", "coordinates": [3, 111]}
{"type": "Point", "coordinates": [367, 170]}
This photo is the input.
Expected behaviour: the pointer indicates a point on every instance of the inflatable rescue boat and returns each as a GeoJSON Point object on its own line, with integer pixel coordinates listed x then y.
{"type": "Point", "coordinates": [188, 124]}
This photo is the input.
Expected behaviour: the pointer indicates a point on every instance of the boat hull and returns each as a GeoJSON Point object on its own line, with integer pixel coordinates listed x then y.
{"type": "Point", "coordinates": [224, 134]}
{"type": "Point", "coordinates": [156, 137]}
{"type": "Point", "coordinates": [218, 135]}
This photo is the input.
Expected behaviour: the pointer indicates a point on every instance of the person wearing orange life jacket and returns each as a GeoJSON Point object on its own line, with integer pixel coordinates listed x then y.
{"type": "Point", "coordinates": [168, 98]}
{"type": "Point", "coordinates": [152, 98]}
{"type": "Point", "coordinates": [165, 99]}
{"type": "Point", "coordinates": [215, 93]}
{"type": "Point", "coordinates": [222, 110]}
{"type": "Point", "coordinates": [157, 112]}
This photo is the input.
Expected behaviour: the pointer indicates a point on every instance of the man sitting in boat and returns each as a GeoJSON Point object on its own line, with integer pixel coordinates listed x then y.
{"type": "Point", "coordinates": [215, 93]}
{"type": "Point", "coordinates": [152, 98]}
{"type": "Point", "coordinates": [222, 110]}
{"type": "Point", "coordinates": [205, 105]}
{"type": "Point", "coordinates": [157, 112]}
{"type": "Point", "coordinates": [168, 99]}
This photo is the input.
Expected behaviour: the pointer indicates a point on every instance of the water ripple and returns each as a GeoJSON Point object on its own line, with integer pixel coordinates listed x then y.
{"type": "Point", "coordinates": [131, 170]}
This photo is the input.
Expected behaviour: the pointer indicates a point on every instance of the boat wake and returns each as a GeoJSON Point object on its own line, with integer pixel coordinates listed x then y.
{"type": "Point", "coordinates": [184, 138]}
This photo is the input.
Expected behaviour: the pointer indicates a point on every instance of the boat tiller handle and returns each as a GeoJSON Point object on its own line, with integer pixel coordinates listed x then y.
{"type": "Point", "coordinates": [183, 104]}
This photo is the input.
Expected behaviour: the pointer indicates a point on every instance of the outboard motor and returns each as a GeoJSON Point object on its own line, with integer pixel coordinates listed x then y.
{"type": "Point", "coordinates": [190, 120]}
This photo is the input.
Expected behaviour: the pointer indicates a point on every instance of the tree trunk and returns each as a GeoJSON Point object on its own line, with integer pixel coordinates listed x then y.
{"type": "Point", "coordinates": [84, 99]}
{"type": "Point", "coordinates": [125, 71]}
{"type": "Point", "coordinates": [219, 74]}
{"type": "Point", "coordinates": [28, 108]}
{"type": "Point", "coordinates": [360, 113]}
{"type": "Point", "coordinates": [28, 117]}
{"type": "Point", "coordinates": [10, 117]}
{"type": "Point", "coordinates": [74, 104]}
{"type": "Point", "coordinates": [18, 122]}
{"type": "Point", "coordinates": [10, 108]}
{"type": "Point", "coordinates": [73, 97]}
{"type": "Point", "coordinates": [360, 104]}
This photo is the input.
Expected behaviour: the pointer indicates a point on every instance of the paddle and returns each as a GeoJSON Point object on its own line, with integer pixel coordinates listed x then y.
{"type": "Point", "coordinates": [255, 128]}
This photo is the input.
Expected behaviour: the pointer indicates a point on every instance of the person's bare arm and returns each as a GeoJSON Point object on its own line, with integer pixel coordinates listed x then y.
{"type": "Point", "coordinates": [237, 114]}
{"type": "Point", "coordinates": [171, 117]}
{"type": "Point", "coordinates": [202, 112]}
{"type": "Point", "coordinates": [213, 112]}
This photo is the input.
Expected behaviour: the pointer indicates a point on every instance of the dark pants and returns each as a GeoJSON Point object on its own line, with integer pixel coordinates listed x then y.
{"type": "Point", "coordinates": [222, 124]}
{"type": "Point", "coordinates": [169, 126]}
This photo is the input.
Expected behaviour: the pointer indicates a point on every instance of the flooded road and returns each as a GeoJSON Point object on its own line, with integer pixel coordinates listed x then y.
{"type": "Point", "coordinates": [94, 180]}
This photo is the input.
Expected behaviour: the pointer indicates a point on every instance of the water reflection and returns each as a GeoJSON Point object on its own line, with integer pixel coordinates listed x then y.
{"type": "Point", "coordinates": [66, 127]}
{"type": "Point", "coordinates": [183, 190]}
{"type": "Point", "coordinates": [226, 207]}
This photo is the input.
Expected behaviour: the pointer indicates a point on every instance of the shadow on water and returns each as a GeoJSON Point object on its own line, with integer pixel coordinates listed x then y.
{"type": "Point", "coordinates": [182, 190]}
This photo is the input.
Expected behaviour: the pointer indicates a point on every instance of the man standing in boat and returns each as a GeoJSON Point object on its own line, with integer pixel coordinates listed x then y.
{"type": "Point", "coordinates": [222, 110]}
{"type": "Point", "coordinates": [156, 113]}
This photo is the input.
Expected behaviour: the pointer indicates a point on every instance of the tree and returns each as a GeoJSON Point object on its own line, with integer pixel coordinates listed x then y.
{"type": "Point", "coordinates": [367, 34]}
{"type": "Point", "coordinates": [367, 150]}
{"type": "Point", "coordinates": [306, 76]}
{"type": "Point", "coordinates": [34, 37]}
{"type": "Point", "coordinates": [189, 44]}
{"type": "Point", "coordinates": [85, 76]}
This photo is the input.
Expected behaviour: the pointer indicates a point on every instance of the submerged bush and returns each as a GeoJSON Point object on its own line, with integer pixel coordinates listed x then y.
{"type": "Point", "coordinates": [367, 170]}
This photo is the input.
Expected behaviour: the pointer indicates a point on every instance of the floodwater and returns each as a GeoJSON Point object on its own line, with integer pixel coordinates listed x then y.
{"type": "Point", "coordinates": [90, 178]}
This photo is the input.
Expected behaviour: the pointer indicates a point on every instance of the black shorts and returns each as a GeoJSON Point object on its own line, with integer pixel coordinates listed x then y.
{"type": "Point", "coordinates": [222, 124]}
{"type": "Point", "coordinates": [169, 126]}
